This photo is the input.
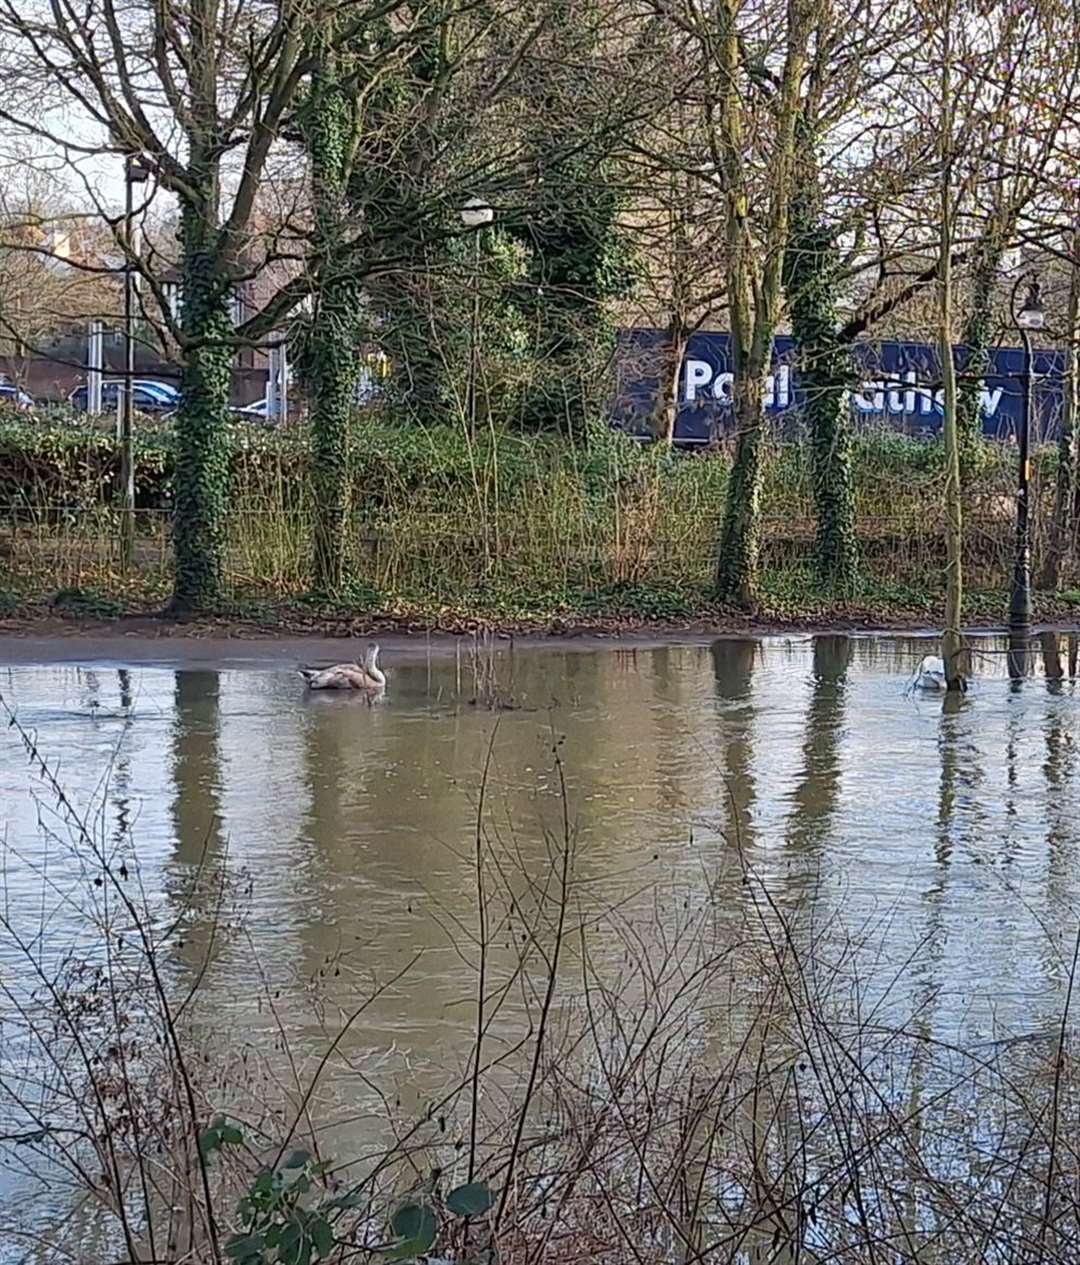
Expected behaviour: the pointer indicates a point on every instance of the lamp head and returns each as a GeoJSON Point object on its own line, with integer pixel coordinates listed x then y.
{"type": "Point", "coordinates": [476, 213]}
{"type": "Point", "coordinates": [1032, 315]}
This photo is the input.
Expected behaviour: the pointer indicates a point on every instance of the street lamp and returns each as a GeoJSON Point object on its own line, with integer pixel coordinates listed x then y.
{"type": "Point", "coordinates": [475, 215]}
{"type": "Point", "coordinates": [135, 172]}
{"type": "Point", "coordinates": [1029, 317]}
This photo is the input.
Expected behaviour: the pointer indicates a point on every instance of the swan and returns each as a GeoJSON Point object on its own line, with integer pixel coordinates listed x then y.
{"type": "Point", "coordinates": [930, 674]}
{"type": "Point", "coordinates": [366, 675]}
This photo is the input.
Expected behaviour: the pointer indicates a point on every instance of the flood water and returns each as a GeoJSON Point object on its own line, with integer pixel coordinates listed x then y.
{"type": "Point", "coordinates": [940, 838]}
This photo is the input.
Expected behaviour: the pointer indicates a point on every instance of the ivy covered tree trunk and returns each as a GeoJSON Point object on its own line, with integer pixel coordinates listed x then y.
{"type": "Point", "coordinates": [579, 250]}
{"type": "Point", "coordinates": [827, 374]}
{"type": "Point", "coordinates": [740, 533]}
{"type": "Point", "coordinates": [579, 260]}
{"type": "Point", "coordinates": [976, 338]}
{"type": "Point", "coordinates": [1063, 526]}
{"type": "Point", "coordinates": [755, 263]}
{"type": "Point", "coordinates": [201, 481]}
{"type": "Point", "coordinates": [331, 363]}
{"type": "Point", "coordinates": [395, 193]}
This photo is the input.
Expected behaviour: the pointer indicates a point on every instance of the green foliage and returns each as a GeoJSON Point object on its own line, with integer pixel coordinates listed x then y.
{"type": "Point", "coordinates": [283, 1223]}
{"type": "Point", "coordinates": [416, 1229]}
{"type": "Point", "coordinates": [416, 1225]}
{"type": "Point", "coordinates": [65, 459]}
{"type": "Point", "coordinates": [505, 529]}
{"type": "Point", "coordinates": [86, 603]}
{"type": "Point", "coordinates": [976, 338]}
{"type": "Point", "coordinates": [579, 260]}
{"type": "Point", "coordinates": [471, 1200]}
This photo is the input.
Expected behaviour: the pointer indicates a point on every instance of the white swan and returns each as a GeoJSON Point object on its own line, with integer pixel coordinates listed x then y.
{"type": "Point", "coordinates": [365, 676]}
{"type": "Point", "coordinates": [930, 674]}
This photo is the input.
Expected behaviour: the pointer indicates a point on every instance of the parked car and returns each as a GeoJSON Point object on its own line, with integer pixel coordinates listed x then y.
{"type": "Point", "coordinates": [256, 412]}
{"type": "Point", "coordinates": [14, 396]}
{"type": "Point", "coordinates": [149, 396]}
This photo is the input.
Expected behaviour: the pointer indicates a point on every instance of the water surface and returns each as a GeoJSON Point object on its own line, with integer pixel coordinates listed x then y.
{"type": "Point", "coordinates": [938, 839]}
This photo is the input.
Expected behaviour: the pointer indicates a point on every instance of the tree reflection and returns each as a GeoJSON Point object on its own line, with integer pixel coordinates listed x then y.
{"type": "Point", "coordinates": [121, 778]}
{"type": "Point", "coordinates": [197, 766]}
{"type": "Point", "coordinates": [954, 773]}
{"type": "Point", "coordinates": [1018, 658]}
{"type": "Point", "coordinates": [816, 796]}
{"type": "Point", "coordinates": [1050, 645]}
{"type": "Point", "coordinates": [733, 670]}
{"type": "Point", "coordinates": [196, 812]}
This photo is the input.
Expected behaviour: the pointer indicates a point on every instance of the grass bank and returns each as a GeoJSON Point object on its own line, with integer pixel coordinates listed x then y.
{"type": "Point", "coordinates": [449, 531]}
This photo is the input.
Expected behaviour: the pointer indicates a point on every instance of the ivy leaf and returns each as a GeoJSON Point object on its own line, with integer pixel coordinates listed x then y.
{"type": "Point", "coordinates": [231, 1134]}
{"type": "Point", "coordinates": [241, 1246]}
{"type": "Point", "coordinates": [415, 1224]}
{"type": "Point", "coordinates": [407, 1220]}
{"type": "Point", "coordinates": [297, 1159]}
{"type": "Point", "coordinates": [470, 1200]}
{"type": "Point", "coordinates": [323, 1237]}
{"type": "Point", "coordinates": [209, 1140]}
{"type": "Point", "coordinates": [291, 1244]}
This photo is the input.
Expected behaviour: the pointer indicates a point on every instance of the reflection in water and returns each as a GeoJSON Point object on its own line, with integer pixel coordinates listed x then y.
{"type": "Point", "coordinates": [122, 769]}
{"type": "Point", "coordinates": [198, 833]}
{"type": "Point", "coordinates": [733, 672]}
{"type": "Point", "coordinates": [936, 838]}
{"type": "Point", "coordinates": [197, 770]}
{"type": "Point", "coordinates": [1019, 657]}
{"type": "Point", "coordinates": [818, 791]}
{"type": "Point", "coordinates": [1050, 644]}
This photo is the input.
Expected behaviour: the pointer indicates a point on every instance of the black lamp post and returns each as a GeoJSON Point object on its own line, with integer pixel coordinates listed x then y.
{"type": "Point", "coordinates": [135, 172]}
{"type": "Point", "coordinates": [1029, 317]}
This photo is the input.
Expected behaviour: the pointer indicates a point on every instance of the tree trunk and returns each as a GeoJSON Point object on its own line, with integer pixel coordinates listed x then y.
{"type": "Point", "coordinates": [827, 374]}
{"type": "Point", "coordinates": [331, 362]}
{"type": "Point", "coordinates": [755, 280]}
{"type": "Point", "coordinates": [740, 534]}
{"type": "Point", "coordinates": [827, 377]}
{"type": "Point", "coordinates": [952, 643]}
{"type": "Point", "coordinates": [202, 459]}
{"type": "Point", "coordinates": [1065, 489]}
{"type": "Point", "coordinates": [666, 413]}
{"type": "Point", "coordinates": [975, 338]}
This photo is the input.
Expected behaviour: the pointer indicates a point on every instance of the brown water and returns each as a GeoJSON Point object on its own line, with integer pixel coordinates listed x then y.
{"type": "Point", "coordinates": [942, 838]}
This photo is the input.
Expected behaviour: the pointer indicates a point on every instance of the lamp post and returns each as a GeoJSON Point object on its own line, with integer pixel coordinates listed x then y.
{"type": "Point", "coordinates": [476, 215]}
{"type": "Point", "coordinates": [1029, 317]}
{"type": "Point", "coordinates": [135, 172]}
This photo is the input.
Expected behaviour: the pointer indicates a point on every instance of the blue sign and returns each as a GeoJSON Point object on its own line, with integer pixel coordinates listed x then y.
{"type": "Point", "coordinates": [899, 387]}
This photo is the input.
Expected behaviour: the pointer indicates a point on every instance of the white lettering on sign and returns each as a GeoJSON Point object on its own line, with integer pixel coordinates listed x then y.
{"type": "Point", "coordinates": [896, 395]}
{"type": "Point", "coordinates": [699, 374]}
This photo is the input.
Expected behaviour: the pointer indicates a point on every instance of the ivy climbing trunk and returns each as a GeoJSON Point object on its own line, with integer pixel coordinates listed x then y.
{"type": "Point", "coordinates": [755, 263]}
{"type": "Point", "coordinates": [740, 533]}
{"type": "Point", "coordinates": [1063, 525]}
{"type": "Point", "coordinates": [827, 375]}
{"type": "Point", "coordinates": [976, 338]}
{"type": "Point", "coordinates": [331, 362]}
{"type": "Point", "coordinates": [201, 481]}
